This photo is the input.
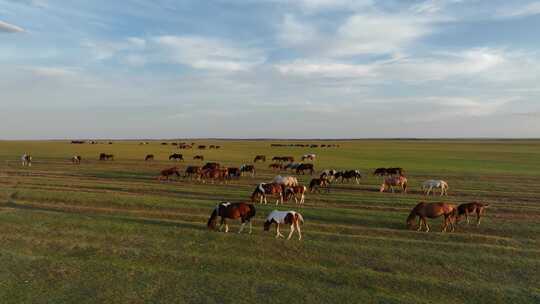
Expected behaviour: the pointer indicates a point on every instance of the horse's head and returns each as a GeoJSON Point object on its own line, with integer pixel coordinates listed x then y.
{"type": "Point", "coordinates": [267, 225]}
{"type": "Point", "coordinates": [411, 223]}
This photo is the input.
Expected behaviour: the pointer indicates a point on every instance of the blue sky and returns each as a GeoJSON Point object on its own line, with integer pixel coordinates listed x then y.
{"type": "Point", "coordinates": [269, 68]}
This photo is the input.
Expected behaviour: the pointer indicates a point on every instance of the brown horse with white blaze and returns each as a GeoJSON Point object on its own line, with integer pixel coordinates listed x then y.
{"type": "Point", "coordinates": [227, 210]}
{"type": "Point", "coordinates": [432, 210]}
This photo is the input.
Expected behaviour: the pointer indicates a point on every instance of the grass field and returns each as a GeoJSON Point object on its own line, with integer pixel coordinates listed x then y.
{"type": "Point", "coordinates": [108, 232]}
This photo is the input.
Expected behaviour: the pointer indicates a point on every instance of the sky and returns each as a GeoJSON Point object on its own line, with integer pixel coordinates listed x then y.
{"type": "Point", "coordinates": [269, 69]}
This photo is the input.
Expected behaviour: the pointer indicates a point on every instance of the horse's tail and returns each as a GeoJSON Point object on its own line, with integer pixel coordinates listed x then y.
{"type": "Point", "coordinates": [213, 217]}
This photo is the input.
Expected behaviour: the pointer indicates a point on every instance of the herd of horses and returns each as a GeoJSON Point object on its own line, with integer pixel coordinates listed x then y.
{"type": "Point", "coordinates": [286, 188]}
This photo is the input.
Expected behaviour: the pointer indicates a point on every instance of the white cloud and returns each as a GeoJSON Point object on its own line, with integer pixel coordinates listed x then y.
{"type": "Point", "coordinates": [529, 9]}
{"type": "Point", "coordinates": [208, 53]}
{"type": "Point", "coordinates": [103, 50]}
{"type": "Point", "coordinates": [52, 72]}
{"type": "Point", "coordinates": [295, 33]}
{"type": "Point", "coordinates": [324, 69]}
{"type": "Point", "coordinates": [9, 28]}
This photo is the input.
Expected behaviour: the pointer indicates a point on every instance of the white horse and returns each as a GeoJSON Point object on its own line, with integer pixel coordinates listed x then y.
{"type": "Point", "coordinates": [287, 181]}
{"type": "Point", "coordinates": [428, 186]}
{"type": "Point", "coordinates": [309, 157]}
{"type": "Point", "coordinates": [292, 218]}
{"type": "Point", "coordinates": [26, 160]}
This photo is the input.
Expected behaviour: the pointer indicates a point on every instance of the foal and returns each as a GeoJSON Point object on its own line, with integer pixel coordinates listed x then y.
{"type": "Point", "coordinates": [469, 208]}
{"type": "Point", "coordinates": [284, 217]}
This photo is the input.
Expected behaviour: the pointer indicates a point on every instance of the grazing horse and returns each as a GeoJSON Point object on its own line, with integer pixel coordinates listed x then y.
{"type": "Point", "coordinates": [395, 171]}
{"type": "Point", "coordinates": [149, 157]}
{"type": "Point", "coordinates": [298, 192]}
{"type": "Point", "coordinates": [214, 174]}
{"type": "Point", "coordinates": [469, 208]}
{"type": "Point", "coordinates": [329, 174]}
{"type": "Point", "coordinates": [176, 156]}
{"type": "Point", "coordinates": [211, 166]}
{"type": "Point", "coordinates": [192, 171]}
{"type": "Point", "coordinates": [390, 182]}
{"type": "Point", "coordinates": [226, 210]}
{"type": "Point", "coordinates": [201, 147]}
{"type": "Point", "coordinates": [26, 160]}
{"type": "Point", "coordinates": [247, 169]}
{"type": "Point", "coordinates": [105, 156]}
{"type": "Point", "coordinates": [351, 174]}
{"type": "Point", "coordinates": [76, 159]}
{"type": "Point", "coordinates": [432, 210]}
{"type": "Point", "coordinates": [292, 166]}
{"type": "Point", "coordinates": [233, 173]}
{"type": "Point", "coordinates": [428, 185]}
{"type": "Point", "coordinates": [309, 157]}
{"type": "Point", "coordinates": [261, 158]}
{"type": "Point", "coordinates": [198, 157]}
{"type": "Point", "coordinates": [264, 189]}
{"type": "Point", "coordinates": [305, 167]}
{"type": "Point", "coordinates": [164, 174]}
{"type": "Point", "coordinates": [292, 218]}
{"type": "Point", "coordinates": [380, 172]}
{"type": "Point", "coordinates": [287, 181]}
{"type": "Point", "coordinates": [317, 183]}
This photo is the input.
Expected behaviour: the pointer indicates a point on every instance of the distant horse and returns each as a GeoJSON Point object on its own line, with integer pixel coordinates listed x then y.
{"type": "Point", "coordinates": [305, 167]}
{"type": "Point", "coordinates": [395, 171]}
{"type": "Point", "coordinates": [247, 169]}
{"type": "Point", "coordinates": [428, 185]}
{"type": "Point", "coordinates": [292, 166]}
{"type": "Point", "coordinates": [149, 157]}
{"type": "Point", "coordinates": [297, 192]}
{"type": "Point", "coordinates": [308, 157]}
{"type": "Point", "coordinates": [76, 159]}
{"type": "Point", "coordinates": [226, 210]}
{"type": "Point", "coordinates": [275, 166]}
{"type": "Point", "coordinates": [317, 183]}
{"type": "Point", "coordinates": [198, 157]}
{"type": "Point", "coordinates": [469, 208]}
{"type": "Point", "coordinates": [105, 156]}
{"type": "Point", "coordinates": [380, 172]}
{"type": "Point", "coordinates": [287, 181]}
{"type": "Point", "coordinates": [233, 173]}
{"type": "Point", "coordinates": [329, 174]}
{"type": "Point", "coordinates": [166, 173]}
{"type": "Point", "coordinates": [219, 174]}
{"type": "Point", "coordinates": [351, 174]}
{"type": "Point", "coordinates": [26, 160]}
{"type": "Point", "coordinates": [261, 158]}
{"type": "Point", "coordinates": [176, 157]}
{"type": "Point", "coordinates": [292, 218]}
{"type": "Point", "coordinates": [201, 147]}
{"type": "Point", "coordinates": [267, 189]}
{"type": "Point", "coordinates": [192, 171]}
{"type": "Point", "coordinates": [390, 182]}
{"type": "Point", "coordinates": [211, 166]}
{"type": "Point", "coordinates": [432, 210]}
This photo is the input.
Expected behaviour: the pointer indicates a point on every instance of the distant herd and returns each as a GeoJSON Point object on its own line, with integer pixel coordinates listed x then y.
{"type": "Point", "coordinates": [286, 188]}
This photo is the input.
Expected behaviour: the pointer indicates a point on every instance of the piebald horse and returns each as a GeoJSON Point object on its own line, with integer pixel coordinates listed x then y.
{"type": "Point", "coordinates": [226, 210]}
{"type": "Point", "coordinates": [390, 182]}
{"type": "Point", "coordinates": [298, 192]}
{"type": "Point", "coordinates": [292, 218]}
{"type": "Point", "coordinates": [432, 210]}
{"type": "Point", "coordinates": [428, 186]}
{"type": "Point", "coordinates": [76, 159]}
{"type": "Point", "coordinates": [470, 208]}
{"type": "Point", "coordinates": [26, 160]}
{"type": "Point", "coordinates": [264, 189]}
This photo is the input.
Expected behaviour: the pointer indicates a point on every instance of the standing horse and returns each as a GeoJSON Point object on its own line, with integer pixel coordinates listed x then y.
{"type": "Point", "coordinates": [247, 169]}
{"type": "Point", "coordinates": [149, 157]}
{"type": "Point", "coordinates": [176, 156]}
{"type": "Point", "coordinates": [26, 160]}
{"type": "Point", "coordinates": [192, 171]}
{"type": "Point", "coordinates": [264, 189]}
{"type": "Point", "coordinates": [309, 157]}
{"type": "Point", "coordinates": [428, 185]}
{"type": "Point", "coordinates": [469, 208]}
{"type": "Point", "coordinates": [105, 156]}
{"type": "Point", "coordinates": [351, 174]}
{"type": "Point", "coordinates": [305, 167]}
{"type": "Point", "coordinates": [261, 158]}
{"type": "Point", "coordinates": [198, 157]}
{"type": "Point", "coordinates": [164, 174]}
{"type": "Point", "coordinates": [298, 192]}
{"type": "Point", "coordinates": [390, 182]}
{"type": "Point", "coordinates": [292, 218]}
{"type": "Point", "coordinates": [226, 210]}
{"type": "Point", "coordinates": [76, 159]}
{"type": "Point", "coordinates": [432, 210]}
{"type": "Point", "coordinates": [317, 183]}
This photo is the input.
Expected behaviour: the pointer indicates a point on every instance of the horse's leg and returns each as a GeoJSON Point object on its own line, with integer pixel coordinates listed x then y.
{"type": "Point", "coordinates": [445, 223]}
{"type": "Point", "coordinates": [221, 223]}
{"type": "Point", "coordinates": [420, 223]}
{"type": "Point", "coordinates": [291, 232]}
{"type": "Point", "coordinates": [426, 224]}
{"type": "Point", "coordinates": [250, 227]}
{"type": "Point", "coordinates": [299, 231]}
{"type": "Point", "coordinates": [467, 216]}
{"type": "Point", "coordinates": [242, 226]}
{"type": "Point", "coordinates": [478, 217]}
{"type": "Point", "coordinates": [278, 234]}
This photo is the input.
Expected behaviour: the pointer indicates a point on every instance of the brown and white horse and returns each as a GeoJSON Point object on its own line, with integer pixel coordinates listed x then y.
{"type": "Point", "coordinates": [298, 192]}
{"type": "Point", "coordinates": [390, 182]}
{"type": "Point", "coordinates": [432, 210]}
{"type": "Point", "coordinates": [291, 218]}
{"type": "Point", "coordinates": [26, 160]}
{"type": "Point", "coordinates": [247, 169]}
{"type": "Point", "coordinates": [317, 183]}
{"type": "Point", "coordinates": [470, 208]}
{"type": "Point", "coordinates": [308, 157]}
{"type": "Point", "coordinates": [76, 159]}
{"type": "Point", "coordinates": [268, 189]}
{"type": "Point", "coordinates": [227, 210]}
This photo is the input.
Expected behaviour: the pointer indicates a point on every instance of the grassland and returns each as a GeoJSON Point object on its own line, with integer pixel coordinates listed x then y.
{"type": "Point", "coordinates": [108, 232]}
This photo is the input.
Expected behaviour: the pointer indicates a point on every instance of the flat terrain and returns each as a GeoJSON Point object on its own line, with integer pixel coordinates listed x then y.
{"type": "Point", "coordinates": [109, 232]}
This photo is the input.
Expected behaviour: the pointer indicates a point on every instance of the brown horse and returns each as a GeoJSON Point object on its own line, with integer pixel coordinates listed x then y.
{"type": "Point", "coordinates": [276, 167]}
{"type": "Point", "coordinates": [164, 174]}
{"type": "Point", "coordinates": [317, 183]}
{"type": "Point", "coordinates": [298, 192]}
{"type": "Point", "coordinates": [226, 210]}
{"type": "Point", "coordinates": [432, 210]}
{"type": "Point", "coordinates": [198, 157]}
{"type": "Point", "coordinates": [265, 189]}
{"type": "Point", "coordinates": [469, 208]}
{"type": "Point", "coordinates": [214, 174]}
{"type": "Point", "coordinates": [105, 156]}
{"type": "Point", "coordinates": [192, 171]}
{"type": "Point", "coordinates": [211, 166]}
{"type": "Point", "coordinates": [149, 157]}
{"type": "Point", "coordinates": [392, 181]}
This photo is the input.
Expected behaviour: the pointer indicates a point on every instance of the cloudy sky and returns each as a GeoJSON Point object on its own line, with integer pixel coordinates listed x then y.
{"type": "Point", "coordinates": [269, 68]}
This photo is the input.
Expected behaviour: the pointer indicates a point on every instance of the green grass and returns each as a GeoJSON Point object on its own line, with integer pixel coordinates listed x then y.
{"type": "Point", "coordinates": [108, 232]}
